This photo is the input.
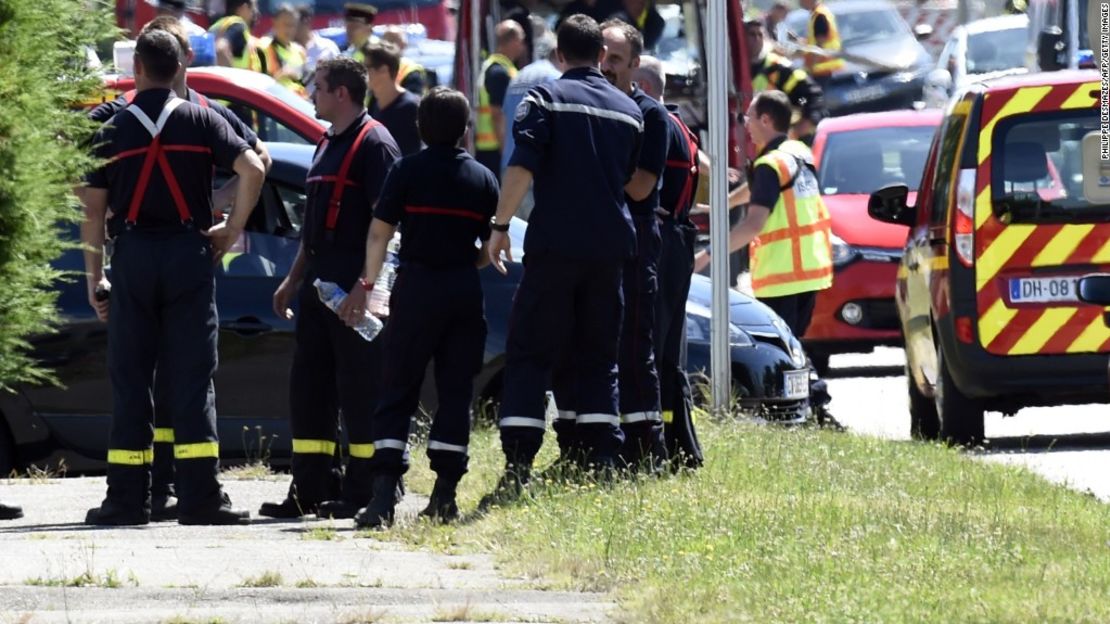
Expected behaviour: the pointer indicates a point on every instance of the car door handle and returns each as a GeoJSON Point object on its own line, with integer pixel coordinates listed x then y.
{"type": "Point", "coordinates": [247, 326]}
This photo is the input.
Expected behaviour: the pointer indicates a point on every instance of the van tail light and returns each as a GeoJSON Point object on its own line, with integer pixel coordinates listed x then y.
{"type": "Point", "coordinates": [965, 333]}
{"type": "Point", "coordinates": [963, 227]}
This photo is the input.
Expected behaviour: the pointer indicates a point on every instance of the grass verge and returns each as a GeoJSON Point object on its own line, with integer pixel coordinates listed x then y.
{"type": "Point", "coordinates": [803, 526]}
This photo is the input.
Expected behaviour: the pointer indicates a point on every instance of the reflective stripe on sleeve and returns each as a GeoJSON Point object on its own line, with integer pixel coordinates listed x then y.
{"type": "Point", "coordinates": [130, 458]}
{"type": "Point", "coordinates": [399, 445]}
{"type": "Point", "coordinates": [599, 419]}
{"type": "Point", "coordinates": [636, 417]}
{"type": "Point", "coordinates": [433, 445]}
{"type": "Point", "coordinates": [197, 450]}
{"type": "Point", "coordinates": [313, 447]}
{"type": "Point", "coordinates": [361, 451]}
{"type": "Point", "coordinates": [567, 415]}
{"type": "Point", "coordinates": [522, 421]}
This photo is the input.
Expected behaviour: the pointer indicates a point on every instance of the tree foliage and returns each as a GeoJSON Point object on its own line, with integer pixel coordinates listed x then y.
{"type": "Point", "coordinates": [44, 75]}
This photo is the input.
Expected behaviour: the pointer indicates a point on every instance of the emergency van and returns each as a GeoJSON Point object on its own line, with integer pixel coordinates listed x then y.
{"type": "Point", "coordinates": [1013, 210]}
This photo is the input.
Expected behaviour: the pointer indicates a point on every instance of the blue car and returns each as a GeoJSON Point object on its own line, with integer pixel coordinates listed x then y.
{"type": "Point", "coordinates": [46, 424]}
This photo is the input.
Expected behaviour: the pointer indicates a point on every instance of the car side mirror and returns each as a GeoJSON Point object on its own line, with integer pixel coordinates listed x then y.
{"type": "Point", "coordinates": [888, 205]}
{"type": "Point", "coordinates": [1050, 44]}
{"type": "Point", "coordinates": [939, 79]}
{"type": "Point", "coordinates": [921, 32]}
{"type": "Point", "coordinates": [1095, 289]}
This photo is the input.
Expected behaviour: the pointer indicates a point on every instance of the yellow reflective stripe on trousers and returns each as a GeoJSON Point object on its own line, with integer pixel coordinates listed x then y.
{"type": "Point", "coordinates": [130, 458]}
{"type": "Point", "coordinates": [163, 435]}
{"type": "Point", "coordinates": [361, 451]}
{"type": "Point", "coordinates": [313, 447]}
{"type": "Point", "coordinates": [197, 450]}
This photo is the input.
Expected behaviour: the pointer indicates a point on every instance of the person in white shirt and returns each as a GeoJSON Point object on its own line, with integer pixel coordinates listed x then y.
{"type": "Point", "coordinates": [176, 8]}
{"type": "Point", "coordinates": [318, 48]}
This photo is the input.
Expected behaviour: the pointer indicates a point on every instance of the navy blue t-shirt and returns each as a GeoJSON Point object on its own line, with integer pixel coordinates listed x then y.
{"type": "Point", "coordinates": [765, 184]}
{"type": "Point", "coordinates": [107, 110]}
{"type": "Point", "coordinates": [400, 118]}
{"type": "Point", "coordinates": [580, 137]}
{"type": "Point", "coordinates": [440, 221]}
{"type": "Point", "coordinates": [653, 151]}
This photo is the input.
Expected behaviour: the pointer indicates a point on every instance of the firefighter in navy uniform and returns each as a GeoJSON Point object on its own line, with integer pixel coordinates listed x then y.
{"type": "Point", "coordinates": [334, 369]}
{"type": "Point", "coordinates": [578, 138]}
{"type": "Point", "coordinates": [676, 265]}
{"type": "Point", "coordinates": [436, 306]}
{"type": "Point", "coordinates": [160, 153]}
{"type": "Point", "coordinates": [163, 498]}
{"type": "Point", "coordinates": [641, 417]}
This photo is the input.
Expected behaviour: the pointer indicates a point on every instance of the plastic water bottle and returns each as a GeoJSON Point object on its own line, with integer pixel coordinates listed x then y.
{"type": "Point", "coordinates": [332, 295]}
{"type": "Point", "coordinates": [383, 284]}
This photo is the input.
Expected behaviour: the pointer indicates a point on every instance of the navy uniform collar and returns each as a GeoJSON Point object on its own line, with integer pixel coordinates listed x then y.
{"type": "Point", "coordinates": [578, 73]}
{"type": "Point", "coordinates": [773, 145]}
{"type": "Point", "coordinates": [351, 129]}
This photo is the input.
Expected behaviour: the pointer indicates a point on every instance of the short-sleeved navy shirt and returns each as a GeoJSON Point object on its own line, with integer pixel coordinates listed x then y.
{"type": "Point", "coordinates": [443, 199]}
{"type": "Point", "coordinates": [400, 119]}
{"type": "Point", "coordinates": [339, 257]}
{"type": "Point", "coordinates": [678, 170]}
{"type": "Point", "coordinates": [123, 143]}
{"type": "Point", "coordinates": [497, 83]}
{"type": "Point", "coordinates": [653, 151]}
{"type": "Point", "coordinates": [765, 184]}
{"type": "Point", "coordinates": [104, 112]}
{"type": "Point", "coordinates": [580, 137]}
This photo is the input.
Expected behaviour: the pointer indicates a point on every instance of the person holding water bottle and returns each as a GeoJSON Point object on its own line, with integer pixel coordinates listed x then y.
{"type": "Point", "coordinates": [437, 304]}
{"type": "Point", "coordinates": [335, 370]}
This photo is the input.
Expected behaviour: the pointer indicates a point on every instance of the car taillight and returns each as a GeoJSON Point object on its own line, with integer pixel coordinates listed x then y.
{"type": "Point", "coordinates": [963, 227]}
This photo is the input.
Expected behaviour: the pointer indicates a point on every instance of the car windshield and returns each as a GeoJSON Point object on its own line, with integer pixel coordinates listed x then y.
{"type": "Point", "coordinates": [862, 161]}
{"type": "Point", "coordinates": [1041, 171]}
{"type": "Point", "coordinates": [995, 50]}
{"type": "Point", "coordinates": [292, 99]}
{"type": "Point", "coordinates": [866, 26]}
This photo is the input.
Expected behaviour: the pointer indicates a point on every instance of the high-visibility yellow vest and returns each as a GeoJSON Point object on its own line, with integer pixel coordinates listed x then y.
{"type": "Point", "coordinates": [793, 253]}
{"type": "Point", "coordinates": [487, 136]}
{"type": "Point", "coordinates": [770, 75]}
{"type": "Point", "coordinates": [407, 68]}
{"type": "Point", "coordinates": [249, 59]}
{"type": "Point", "coordinates": [279, 57]}
{"type": "Point", "coordinates": [818, 65]}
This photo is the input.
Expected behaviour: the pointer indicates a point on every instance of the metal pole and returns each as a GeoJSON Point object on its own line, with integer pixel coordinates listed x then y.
{"type": "Point", "coordinates": [1073, 34]}
{"type": "Point", "coordinates": [475, 67]}
{"type": "Point", "coordinates": [963, 12]}
{"type": "Point", "coordinates": [716, 62]}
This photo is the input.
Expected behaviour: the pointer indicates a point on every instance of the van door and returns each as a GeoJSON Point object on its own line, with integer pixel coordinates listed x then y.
{"type": "Point", "coordinates": [1038, 227]}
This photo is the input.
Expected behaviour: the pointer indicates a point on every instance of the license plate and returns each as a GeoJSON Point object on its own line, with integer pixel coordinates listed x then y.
{"type": "Point", "coordinates": [864, 94]}
{"type": "Point", "coordinates": [795, 384]}
{"type": "Point", "coordinates": [1044, 289]}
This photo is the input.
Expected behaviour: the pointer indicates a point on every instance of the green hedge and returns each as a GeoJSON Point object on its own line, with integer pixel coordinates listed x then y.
{"type": "Point", "coordinates": [42, 75]}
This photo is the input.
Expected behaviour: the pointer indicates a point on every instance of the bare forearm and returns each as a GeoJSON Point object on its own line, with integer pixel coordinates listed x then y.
{"type": "Point", "coordinates": [296, 272]}
{"type": "Point", "coordinates": [251, 175]}
{"type": "Point", "coordinates": [377, 242]}
{"type": "Point", "coordinates": [641, 185]}
{"type": "Point", "coordinates": [514, 187]}
{"type": "Point", "coordinates": [92, 238]}
{"type": "Point", "coordinates": [739, 196]}
{"type": "Point", "coordinates": [748, 228]}
{"type": "Point", "coordinates": [498, 124]}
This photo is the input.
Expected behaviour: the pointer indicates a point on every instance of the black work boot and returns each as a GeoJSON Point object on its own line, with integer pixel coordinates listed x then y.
{"type": "Point", "coordinates": [379, 513]}
{"type": "Point", "coordinates": [288, 509]}
{"type": "Point", "coordinates": [442, 505]}
{"type": "Point", "coordinates": [163, 508]}
{"type": "Point", "coordinates": [10, 512]}
{"type": "Point", "coordinates": [509, 488]}
{"type": "Point", "coordinates": [224, 515]}
{"type": "Point", "coordinates": [337, 509]}
{"type": "Point", "coordinates": [111, 513]}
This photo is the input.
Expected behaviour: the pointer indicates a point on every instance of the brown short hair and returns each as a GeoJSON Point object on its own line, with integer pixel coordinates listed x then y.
{"type": "Point", "coordinates": [580, 39]}
{"type": "Point", "coordinates": [443, 117]}
{"type": "Point", "coordinates": [383, 53]}
{"type": "Point", "coordinates": [345, 72]}
{"type": "Point", "coordinates": [631, 34]}
{"type": "Point", "coordinates": [172, 25]}
{"type": "Point", "coordinates": [775, 104]}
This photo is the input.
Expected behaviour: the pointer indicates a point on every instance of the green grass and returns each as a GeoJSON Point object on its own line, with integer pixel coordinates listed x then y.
{"type": "Point", "coordinates": [266, 579]}
{"type": "Point", "coordinates": [802, 526]}
{"type": "Point", "coordinates": [108, 580]}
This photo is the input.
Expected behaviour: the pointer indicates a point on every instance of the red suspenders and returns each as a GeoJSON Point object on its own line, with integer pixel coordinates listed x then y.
{"type": "Point", "coordinates": [129, 96]}
{"type": "Point", "coordinates": [691, 167]}
{"type": "Point", "coordinates": [156, 153]}
{"type": "Point", "coordinates": [340, 180]}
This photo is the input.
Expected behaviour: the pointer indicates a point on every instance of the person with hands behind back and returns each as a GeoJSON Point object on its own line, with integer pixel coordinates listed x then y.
{"type": "Point", "coordinates": [436, 306]}
{"type": "Point", "coordinates": [159, 153]}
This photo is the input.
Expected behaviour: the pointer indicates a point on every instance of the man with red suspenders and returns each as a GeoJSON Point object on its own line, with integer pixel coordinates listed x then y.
{"type": "Point", "coordinates": [160, 152]}
{"type": "Point", "coordinates": [163, 495]}
{"type": "Point", "coordinates": [334, 369]}
{"type": "Point", "coordinates": [676, 264]}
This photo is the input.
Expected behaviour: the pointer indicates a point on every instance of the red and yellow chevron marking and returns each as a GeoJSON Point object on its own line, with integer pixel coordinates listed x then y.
{"type": "Point", "coordinates": [1055, 328]}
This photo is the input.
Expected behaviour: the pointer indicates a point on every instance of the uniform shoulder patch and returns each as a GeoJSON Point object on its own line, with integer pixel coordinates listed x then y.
{"type": "Point", "coordinates": [522, 110]}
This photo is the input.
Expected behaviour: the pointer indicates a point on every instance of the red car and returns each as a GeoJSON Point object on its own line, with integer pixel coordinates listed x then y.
{"type": "Point", "coordinates": [274, 112]}
{"type": "Point", "coordinates": [856, 155]}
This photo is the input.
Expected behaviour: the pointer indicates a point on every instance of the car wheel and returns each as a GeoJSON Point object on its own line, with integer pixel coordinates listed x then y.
{"type": "Point", "coordinates": [820, 362]}
{"type": "Point", "coordinates": [960, 418]}
{"type": "Point", "coordinates": [924, 423]}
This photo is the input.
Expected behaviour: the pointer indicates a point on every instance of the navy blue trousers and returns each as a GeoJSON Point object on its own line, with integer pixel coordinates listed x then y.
{"type": "Point", "coordinates": [335, 374]}
{"type": "Point", "coordinates": [163, 312]}
{"type": "Point", "coordinates": [564, 308]}
{"type": "Point", "coordinates": [435, 315]}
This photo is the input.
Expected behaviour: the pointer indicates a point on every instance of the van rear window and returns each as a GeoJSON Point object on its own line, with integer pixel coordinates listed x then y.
{"type": "Point", "coordinates": [1037, 168]}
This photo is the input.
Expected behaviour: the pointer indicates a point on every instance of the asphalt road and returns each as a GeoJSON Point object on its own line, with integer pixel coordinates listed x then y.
{"type": "Point", "coordinates": [1069, 444]}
